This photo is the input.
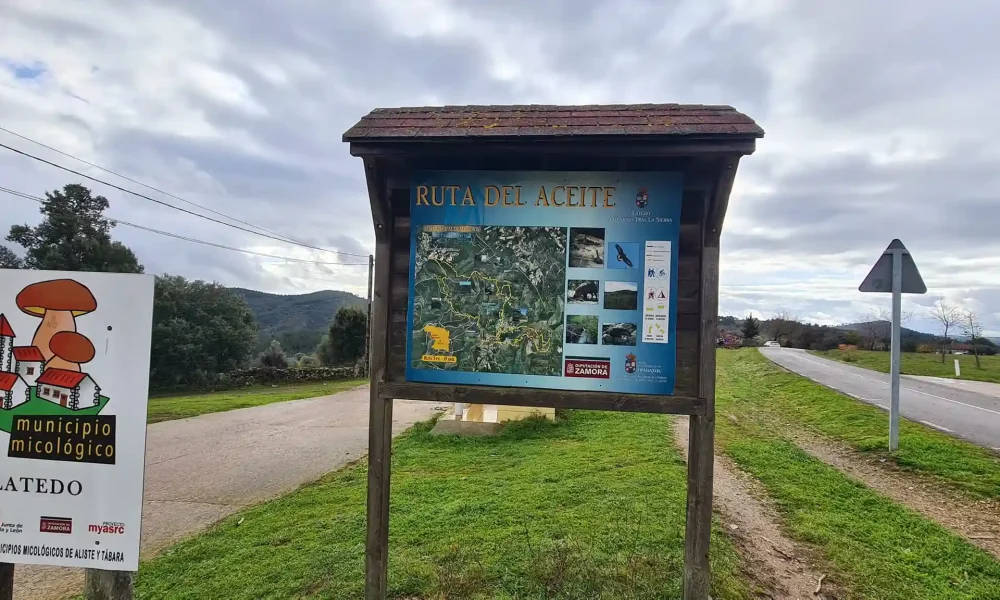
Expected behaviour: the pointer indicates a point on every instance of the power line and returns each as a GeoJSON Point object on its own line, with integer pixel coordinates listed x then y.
{"type": "Point", "coordinates": [156, 189]}
{"type": "Point", "coordinates": [145, 185]}
{"type": "Point", "coordinates": [175, 207]}
{"type": "Point", "coordinates": [194, 240]}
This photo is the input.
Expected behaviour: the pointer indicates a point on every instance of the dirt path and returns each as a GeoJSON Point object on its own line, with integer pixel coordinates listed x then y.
{"type": "Point", "coordinates": [978, 521]}
{"type": "Point", "coordinates": [202, 469]}
{"type": "Point", "coordinates": [776, 563]}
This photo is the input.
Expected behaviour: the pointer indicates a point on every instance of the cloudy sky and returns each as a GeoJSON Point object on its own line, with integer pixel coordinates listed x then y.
{"type": "Point", "coordinates": [877, 117]}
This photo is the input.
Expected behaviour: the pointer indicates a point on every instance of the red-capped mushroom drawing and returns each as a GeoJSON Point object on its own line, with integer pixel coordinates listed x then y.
{"type": "Point", "coordinates": [58, 302]}
{"type": "Point", "coordinates": [69, 350]}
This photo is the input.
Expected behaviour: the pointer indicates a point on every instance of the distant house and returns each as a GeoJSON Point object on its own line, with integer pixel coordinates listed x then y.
{"type": "Point", "coordinates": [14, 390]}
{"type": "Point", "coordinates": [28, 361]}
{"type": "Point", "coordinates": [71, 389]}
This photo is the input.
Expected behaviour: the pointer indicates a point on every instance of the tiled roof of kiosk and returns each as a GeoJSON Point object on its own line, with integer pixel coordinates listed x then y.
{"type": "Point", "coordinates": [546, 121]}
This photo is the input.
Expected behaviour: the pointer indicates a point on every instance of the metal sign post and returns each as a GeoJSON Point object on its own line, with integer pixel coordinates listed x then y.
{"type": "Point", "coordinates": [896, 268]}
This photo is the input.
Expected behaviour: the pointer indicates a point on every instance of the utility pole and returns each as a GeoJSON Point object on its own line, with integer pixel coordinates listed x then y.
{"type": "Point", "coordinates": [6, 581]}
{"type": "Point", "coordinates": [368, 317]}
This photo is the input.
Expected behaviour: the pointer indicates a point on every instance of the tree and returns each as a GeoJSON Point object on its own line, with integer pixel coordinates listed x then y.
{"type": "Point", "coordinates": [74, 235]}
{"type": "Point", "coordinates": [877, 326]}
{"type": "Point", "coordinates": [973, 328]}
{"type": "Point", "coordinates": [783, 325]}
{"type": "Point", "coordinates": [9, 260]}
{"type": "Point", "coordinates": [199, 331]}
{"type": "Point", "coordinates": [750, 329]}
{"type": "Point", "coordinates": [345, 343]}
{"type": "Point", "coordinates": [273, 357]}
{"type": "Point", "coordinates": [852, 338]}
{"type": "Point", "coordinates": [948, 316]}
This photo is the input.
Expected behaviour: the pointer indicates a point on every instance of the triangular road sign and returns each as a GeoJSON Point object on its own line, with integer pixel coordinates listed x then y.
{"type": "Point", "coordinates": [880, 277]}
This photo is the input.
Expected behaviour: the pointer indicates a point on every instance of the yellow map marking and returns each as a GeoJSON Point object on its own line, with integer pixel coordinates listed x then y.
{"type": "Point", "coordinates": [440, 338]}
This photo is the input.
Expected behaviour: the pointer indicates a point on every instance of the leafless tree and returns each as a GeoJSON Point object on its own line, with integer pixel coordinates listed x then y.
{"type": "Point", "coordinates": [973, 328]}
{"type": "Point", "coordinates": [783, 325]}
{"type": "Point", "coordinates": [872, 329]}
{"type": "Point", "coordinates": [876, 326]}
{"type": "Point", "coordinates": [949, 317]}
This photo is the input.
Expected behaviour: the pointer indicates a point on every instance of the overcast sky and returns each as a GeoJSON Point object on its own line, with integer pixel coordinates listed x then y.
{"type": "Point", "coordinates": [879, 119]}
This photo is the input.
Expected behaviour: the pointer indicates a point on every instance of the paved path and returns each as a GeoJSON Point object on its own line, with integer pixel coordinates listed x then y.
{"type": "Point", "coordinates": [962, 410]}
{"type": "Point", "coordinates": [202, 469]}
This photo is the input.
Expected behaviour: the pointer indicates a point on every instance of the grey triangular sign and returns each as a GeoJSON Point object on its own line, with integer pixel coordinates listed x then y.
{"type": "Point", "coordinates": [879, 279]}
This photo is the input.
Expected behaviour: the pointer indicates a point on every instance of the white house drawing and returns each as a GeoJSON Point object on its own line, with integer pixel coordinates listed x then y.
{"type": "Point", "coordinates": [14, 390]}
{"type": "Point", "coordinates": [23, 369]}
{"type": "Point", "coordinates": [28, 361]}
{"type": "Point", "coordinates": [72, 389]}
{"type": "Point", "coordinates": [6, 344]}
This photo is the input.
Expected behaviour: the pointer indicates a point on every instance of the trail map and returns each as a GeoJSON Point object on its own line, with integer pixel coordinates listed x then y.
{"type": "Point", "coordinates": [489, 299]}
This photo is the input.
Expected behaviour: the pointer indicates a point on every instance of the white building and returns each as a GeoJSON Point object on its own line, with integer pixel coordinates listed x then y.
{"type": "Point", "coordinates": [28, 361]}
{"type": "Point", "coordinates": [71, 389]}
{"type": "Point", "coordinates": [14, 391]}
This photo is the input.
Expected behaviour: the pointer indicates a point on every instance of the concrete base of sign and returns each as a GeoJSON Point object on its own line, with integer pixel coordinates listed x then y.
{"type": "Point", "coordinates": [466, 428]}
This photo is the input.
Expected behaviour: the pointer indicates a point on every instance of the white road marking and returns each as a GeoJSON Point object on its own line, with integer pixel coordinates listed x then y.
{"type": "Point", "coordinates": [936, 426]}
{"type": "Point", "coordinates": [886, 383]}
{"type": "Point", "coordinates": [996, 412]}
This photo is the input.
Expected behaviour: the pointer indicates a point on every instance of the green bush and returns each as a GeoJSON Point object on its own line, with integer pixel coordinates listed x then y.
{"type": "Point", "coordinates": [264, 376]}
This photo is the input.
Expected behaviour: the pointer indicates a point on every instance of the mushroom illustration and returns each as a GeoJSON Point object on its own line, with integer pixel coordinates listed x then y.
{"type": "Point", "coordinates": [69, 350]}
{"type": "Point", "coordinates": [58, 302]}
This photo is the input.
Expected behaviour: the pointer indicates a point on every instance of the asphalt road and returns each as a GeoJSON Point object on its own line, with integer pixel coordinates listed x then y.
{"type": "Point", "coordinates": [971, 412]}
{"type": "Point", "coordinates": [202, 469]}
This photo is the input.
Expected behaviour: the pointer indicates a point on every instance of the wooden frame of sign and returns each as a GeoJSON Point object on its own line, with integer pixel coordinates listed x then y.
{"type": "Point", "coordinates": [703, 143]}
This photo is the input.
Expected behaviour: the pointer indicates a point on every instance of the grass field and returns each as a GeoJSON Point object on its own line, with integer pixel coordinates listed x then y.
{"type": "Point", "coordinates": [756, 389]}
{"type": "Point", "coordinates": [880, 549]}
{"type": "Point", "coordinates": [928, 365]}
{"type": "Point", "coordinates": [592, 506]}
{"type": "Point", "coordinates": [589, 507]}
{"type": "Point", "coordinates": [167, 408]}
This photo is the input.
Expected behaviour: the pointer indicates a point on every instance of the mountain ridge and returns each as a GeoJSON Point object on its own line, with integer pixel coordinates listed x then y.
{"type": "Point", "coordinates": [298, 321]}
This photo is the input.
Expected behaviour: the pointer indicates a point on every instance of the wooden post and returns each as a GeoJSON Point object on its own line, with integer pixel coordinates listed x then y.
{"type": "Point", "coordinates": [6, 581]}
{"type": "Point", "coordinates": [368, 318]}
{"type": "Point", "coordinates": [380, 409]}
{"type": "Point", "coordinates": [701, 440]}
{"type": "Point", "coordinates": [109, 585]}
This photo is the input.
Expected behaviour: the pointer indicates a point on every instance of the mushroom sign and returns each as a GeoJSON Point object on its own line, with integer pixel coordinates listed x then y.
{"type": "Point", "coordinates": [74, 372]}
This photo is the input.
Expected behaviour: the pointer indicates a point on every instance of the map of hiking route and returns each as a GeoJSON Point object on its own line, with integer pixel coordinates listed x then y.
{"type": "Point", "coordinates": [489, 299]}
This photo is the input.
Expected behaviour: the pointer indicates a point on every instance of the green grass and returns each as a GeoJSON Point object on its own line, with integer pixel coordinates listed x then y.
{"type": "Point", "coordinates": [590, 507]}
{"type": "Point", "coordinates": [167, 408]}
{"type": "Point", "coordinates": [879, 549]}
{"type": "Point", "coordinates": [40, 406]}
{"type": "Point", "coordinates": [928, 365]}
{"type": "Point", "coordinates": [758, 390]}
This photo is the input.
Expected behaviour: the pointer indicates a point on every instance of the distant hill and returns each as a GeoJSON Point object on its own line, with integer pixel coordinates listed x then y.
{"type": "Point", "coordinates": [904, 333]}
{"type": "Point", "coordinates": [297, 321]}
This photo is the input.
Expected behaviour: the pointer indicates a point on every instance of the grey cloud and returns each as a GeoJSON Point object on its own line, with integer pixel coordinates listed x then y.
{"type": "Point", "coordinates": [922, 72]}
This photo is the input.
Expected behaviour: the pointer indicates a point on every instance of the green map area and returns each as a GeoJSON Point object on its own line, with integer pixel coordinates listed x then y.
{"type": "Point", "coordinates": [489, 299]}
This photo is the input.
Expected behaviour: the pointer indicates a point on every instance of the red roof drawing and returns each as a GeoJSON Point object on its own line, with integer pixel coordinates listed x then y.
{"type": "Point", "coordinates": [28, 354]}
{"type": "Point", "coordinates": [5, 330]}
{"type": "Point", "coordinates": [7, 381]}
{"type": "Point", "coordinates": [61, 378]}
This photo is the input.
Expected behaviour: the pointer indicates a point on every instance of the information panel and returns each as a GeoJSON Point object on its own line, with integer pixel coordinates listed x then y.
{"type": "Point", "coordinates": [560, 280]}
{"type": "Point", "coordinates": [74, 374]}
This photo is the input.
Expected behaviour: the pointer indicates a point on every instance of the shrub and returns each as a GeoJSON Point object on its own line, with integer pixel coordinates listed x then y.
{"type": "Point", "coordinates": [265, 376]}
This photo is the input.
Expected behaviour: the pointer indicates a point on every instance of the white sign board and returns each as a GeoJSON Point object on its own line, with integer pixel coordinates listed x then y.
{"type": "Point", "coordinates": [74, 377]}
